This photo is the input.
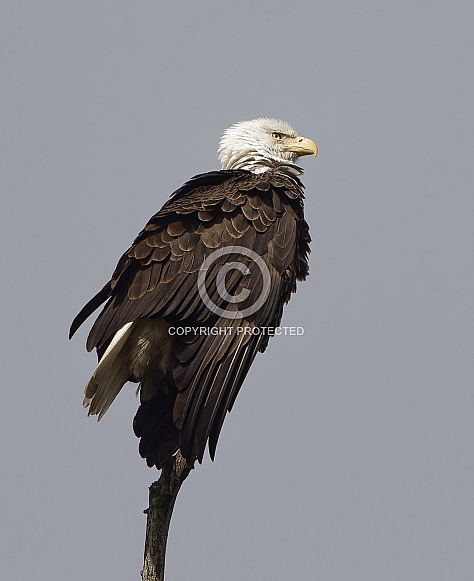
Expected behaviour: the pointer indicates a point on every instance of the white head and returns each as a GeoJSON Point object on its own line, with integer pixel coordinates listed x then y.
{"type": "Point", "coordinates": [261, 144]}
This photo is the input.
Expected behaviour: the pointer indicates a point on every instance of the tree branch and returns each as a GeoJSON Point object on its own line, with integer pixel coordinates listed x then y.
{"type": "Point", "coordinates": [162, 497]}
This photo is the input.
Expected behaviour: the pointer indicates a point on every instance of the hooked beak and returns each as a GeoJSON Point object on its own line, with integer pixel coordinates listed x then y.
{"type": "Point", "coordinates": [303, 146]}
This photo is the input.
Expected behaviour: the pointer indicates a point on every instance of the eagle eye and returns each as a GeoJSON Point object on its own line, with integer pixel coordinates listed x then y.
{"type": "Point", "coordinates": [276, 135]}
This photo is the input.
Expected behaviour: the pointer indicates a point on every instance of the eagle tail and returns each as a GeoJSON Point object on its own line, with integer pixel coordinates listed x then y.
{"type": "Point", "coordinates": [141, 352]}
{"type": "Point", "coordinates": [110, 375]}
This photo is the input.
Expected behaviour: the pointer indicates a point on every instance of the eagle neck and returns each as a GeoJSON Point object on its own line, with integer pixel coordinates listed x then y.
{"type": "Point", "coordinates": [258, 165]}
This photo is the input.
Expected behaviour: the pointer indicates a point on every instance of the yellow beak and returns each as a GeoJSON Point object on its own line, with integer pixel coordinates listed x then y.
{"type": "Point", "coordinates": [303, 146]}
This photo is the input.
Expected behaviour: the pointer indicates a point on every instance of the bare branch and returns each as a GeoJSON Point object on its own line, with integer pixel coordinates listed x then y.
{"type": "Point", "coordinates": [162, 497]}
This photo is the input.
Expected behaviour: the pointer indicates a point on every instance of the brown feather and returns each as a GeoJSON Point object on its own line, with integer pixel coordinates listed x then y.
{"type": "Point", "coordinates": [157, 277]}
{"type": "Point", "coordinates": [176, 228]}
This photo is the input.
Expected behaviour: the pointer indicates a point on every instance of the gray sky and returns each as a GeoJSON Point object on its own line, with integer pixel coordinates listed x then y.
{"type": "Point", "coordinates": [349, 452]}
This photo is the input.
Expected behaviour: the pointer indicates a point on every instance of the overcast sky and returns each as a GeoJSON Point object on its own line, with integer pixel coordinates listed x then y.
{"type": "Point", "coordinates": [349, 452]}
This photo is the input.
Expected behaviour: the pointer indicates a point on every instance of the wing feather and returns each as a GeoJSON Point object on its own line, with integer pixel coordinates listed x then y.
{"type": "Point", "coordinates": [158, 277]}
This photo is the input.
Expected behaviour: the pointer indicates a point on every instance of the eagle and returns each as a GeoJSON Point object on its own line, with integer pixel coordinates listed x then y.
{"type": "Point", "coordinates": [199, 291]}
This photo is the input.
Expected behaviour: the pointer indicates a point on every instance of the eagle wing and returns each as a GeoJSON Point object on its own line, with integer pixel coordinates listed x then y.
{"type": "Point", "coordinates": [158, 277]}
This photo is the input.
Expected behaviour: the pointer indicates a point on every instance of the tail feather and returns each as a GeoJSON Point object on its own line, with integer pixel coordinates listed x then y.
{"type": "Point", "coordinates": [141, 352]}
{"type": "Point", "coordinates": [110, 375]}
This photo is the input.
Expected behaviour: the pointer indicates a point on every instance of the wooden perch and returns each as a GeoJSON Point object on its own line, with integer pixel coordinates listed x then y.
{"type": "Point", "coordinates": [162, 496]}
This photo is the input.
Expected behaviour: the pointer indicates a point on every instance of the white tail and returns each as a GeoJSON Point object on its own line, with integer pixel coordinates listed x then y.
{"type": "Point", "coordinates": [134, 347]}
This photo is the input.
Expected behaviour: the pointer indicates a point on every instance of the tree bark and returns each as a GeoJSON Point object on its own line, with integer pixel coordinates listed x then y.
{"type": "Point", "coordinates": [162, 496]}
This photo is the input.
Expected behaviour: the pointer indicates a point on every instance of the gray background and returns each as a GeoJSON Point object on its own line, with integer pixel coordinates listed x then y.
{"type": "Point", "coordinates": [349, 453]}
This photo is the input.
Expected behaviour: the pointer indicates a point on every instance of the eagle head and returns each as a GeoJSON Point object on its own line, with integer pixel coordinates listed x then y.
{"type": "Point", "coordinates": [261, 144]}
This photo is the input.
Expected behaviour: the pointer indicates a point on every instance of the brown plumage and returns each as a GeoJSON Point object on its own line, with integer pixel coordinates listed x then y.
{"type": "Point", "coordinates": [189, 382]}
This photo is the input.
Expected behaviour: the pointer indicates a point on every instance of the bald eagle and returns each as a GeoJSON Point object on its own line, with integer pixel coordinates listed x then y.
{"type": "Point", "coordinates": [184, 315]}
